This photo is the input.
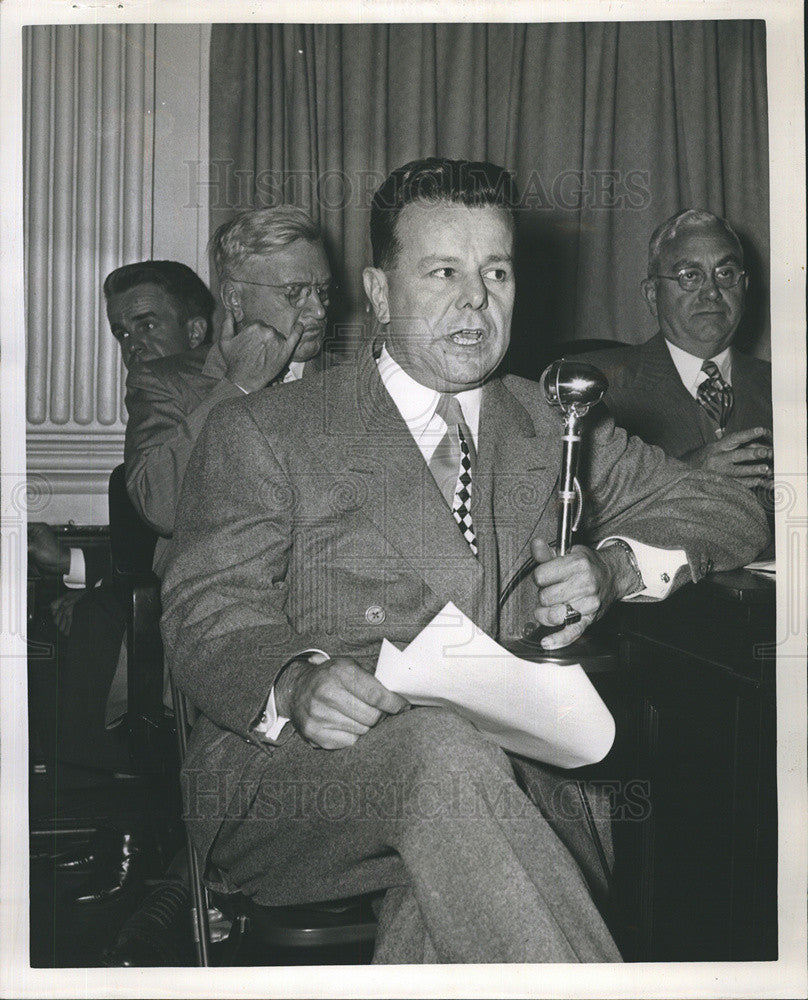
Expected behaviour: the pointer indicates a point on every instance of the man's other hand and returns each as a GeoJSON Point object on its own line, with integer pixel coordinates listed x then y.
{"type": "Point", "coordinates": [332, 704]}
{"type": "Point", "coordinates": [585, 580]}
{"type": "Point", "coordinates": [736, 455]}
{"type": "Point", "coordinates": [45, 550]}
{"type": "Point", "coordinates": [257, 354]}
{"type": "Point", "coordinates": [62, 609]}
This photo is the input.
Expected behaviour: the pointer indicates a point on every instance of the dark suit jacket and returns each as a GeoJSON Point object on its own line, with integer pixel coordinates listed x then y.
{"type": "Point", "coordinates": [306, 506]}
{"type": "Point", "coordinates": [647, 397]}
{"type": "Point", "coordinates": [96, 565]}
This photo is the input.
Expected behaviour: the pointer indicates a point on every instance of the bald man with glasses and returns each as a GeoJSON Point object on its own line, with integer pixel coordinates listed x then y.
{"type": "Point", "coordinates": [688, 389]}
{"type": "Point", "coordinates": [275, 286]}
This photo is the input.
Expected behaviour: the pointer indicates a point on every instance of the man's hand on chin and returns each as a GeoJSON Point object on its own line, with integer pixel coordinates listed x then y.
{"type": "Point", "coordinates": [332, 704]}
{"type": "Point", "coordinates": [584, 580]}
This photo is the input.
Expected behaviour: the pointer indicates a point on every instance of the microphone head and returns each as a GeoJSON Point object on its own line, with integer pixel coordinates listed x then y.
{"type": "Point", "coordinates": [573, 385]}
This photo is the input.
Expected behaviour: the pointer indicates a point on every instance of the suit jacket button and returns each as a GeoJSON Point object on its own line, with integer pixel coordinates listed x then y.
{"type": "Point", "coordinates": [375, 615]}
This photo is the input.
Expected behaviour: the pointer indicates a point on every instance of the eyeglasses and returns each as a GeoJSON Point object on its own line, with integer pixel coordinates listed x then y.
{"type": "Point", "coordinates": [297, 293]}
{"type": "Point", "coordinates": [691, 279]}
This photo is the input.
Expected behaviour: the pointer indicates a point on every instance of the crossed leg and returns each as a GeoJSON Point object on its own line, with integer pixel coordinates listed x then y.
{"type": "Point", "coordinates": [424, 803]}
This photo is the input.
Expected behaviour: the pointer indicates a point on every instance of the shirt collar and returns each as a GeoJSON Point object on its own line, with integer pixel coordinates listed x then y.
{"type": "Point", "coordinates": [689, 366]}
{"type": "Point", "coordinates": [417, 403]}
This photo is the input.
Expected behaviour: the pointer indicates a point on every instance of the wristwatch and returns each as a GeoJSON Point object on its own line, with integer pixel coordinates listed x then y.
{"type": "Point", "coordinates": [632, 559]}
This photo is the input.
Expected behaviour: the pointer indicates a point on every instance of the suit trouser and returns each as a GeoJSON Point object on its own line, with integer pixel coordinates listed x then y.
{"type": "Point", "coordinates": [425, 804]}
{"type": "Point", "coordinates": [69, 708]}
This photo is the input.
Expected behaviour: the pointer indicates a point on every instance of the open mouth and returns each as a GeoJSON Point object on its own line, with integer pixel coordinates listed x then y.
{"type": "Point", "coordinates": [467, 337]}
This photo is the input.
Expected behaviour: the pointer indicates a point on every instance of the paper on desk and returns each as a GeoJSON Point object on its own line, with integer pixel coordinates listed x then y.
{"type": "Point", "coordinates": [545, 711]}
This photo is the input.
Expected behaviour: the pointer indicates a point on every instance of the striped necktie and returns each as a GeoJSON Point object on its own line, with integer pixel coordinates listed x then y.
{"type": "Point", "coordinates": [452, 465]}
{"type": "Point", "coordinates": [715, 395]}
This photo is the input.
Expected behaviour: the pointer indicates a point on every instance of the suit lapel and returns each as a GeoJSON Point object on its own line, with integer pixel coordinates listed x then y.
{"type": "Point", "coordinates": [658, 380]}
{"type": "Point", "coordinates": [745, 412]}
{"type": "Point", "coordinates": [367, 437]}
{"type": "Point", "coordinates": [516, 483]}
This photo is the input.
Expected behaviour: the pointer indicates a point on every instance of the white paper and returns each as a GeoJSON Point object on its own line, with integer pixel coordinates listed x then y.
{"type": "Point", "coordinates": [545, 711]}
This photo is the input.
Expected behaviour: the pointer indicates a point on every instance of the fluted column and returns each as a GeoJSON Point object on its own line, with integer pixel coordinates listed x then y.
{"type": "Point", "coordinates": [89, 147]}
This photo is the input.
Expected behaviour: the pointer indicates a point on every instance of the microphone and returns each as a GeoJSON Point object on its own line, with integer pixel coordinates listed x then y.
{"type": "Point", "coordinates": [573, 387]}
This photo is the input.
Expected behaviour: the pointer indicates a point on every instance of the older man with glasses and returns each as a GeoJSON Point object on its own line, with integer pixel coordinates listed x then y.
{"type": "Point", "coordinates": [275, 286]}
{"type": "Point", "coordinates": [689, 389]}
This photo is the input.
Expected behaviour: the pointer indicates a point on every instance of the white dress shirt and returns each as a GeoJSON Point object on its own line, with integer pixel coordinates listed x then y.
{"type": "Point", "coordinates": [689, 367]}
{"type": "Point", "coordinates": [77, 574]}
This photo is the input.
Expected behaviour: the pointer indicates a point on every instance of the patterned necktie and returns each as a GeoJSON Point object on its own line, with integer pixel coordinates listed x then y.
{"type": "Point", "coordinates": [715, 395]}
{"type": "Point", "coordinates": [452, 465]}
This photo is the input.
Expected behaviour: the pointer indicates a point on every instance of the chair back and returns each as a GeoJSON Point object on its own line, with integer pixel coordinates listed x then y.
{"type": "Point", "coordinates": [571, 348]}
{"type": "Point", "coordinates": [131, 540]}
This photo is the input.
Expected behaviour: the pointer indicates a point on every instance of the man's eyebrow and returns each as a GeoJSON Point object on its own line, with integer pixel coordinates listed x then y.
{"type": "Point", "coordinates": [504, 258]}
{"type": "Point", "coordinates": [434, 258]}
{"type": "Point", "coordinates": [686, 262]}
{"type": "Point", "coordinates": [498, 258]}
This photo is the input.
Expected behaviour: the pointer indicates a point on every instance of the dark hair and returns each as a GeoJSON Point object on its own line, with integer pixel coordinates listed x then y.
{"type": "Point", "coordinates": [188, 291]}
{"type": "Point", "coordinates": [465, 182]}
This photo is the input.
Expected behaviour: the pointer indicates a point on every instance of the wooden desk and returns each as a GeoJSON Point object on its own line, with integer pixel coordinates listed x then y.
{"type": "Point", "coordinates": [699, 867]}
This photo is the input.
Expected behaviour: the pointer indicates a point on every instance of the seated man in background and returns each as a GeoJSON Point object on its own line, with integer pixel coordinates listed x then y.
{"type": "Point", "coordinates": [323, 516]}
{"type": "Point", "coordinates": [274, 283]}
{"type": "Point", "coordinates": [155, 308]}
{"type": "Point", "coordinates": [688, 389]}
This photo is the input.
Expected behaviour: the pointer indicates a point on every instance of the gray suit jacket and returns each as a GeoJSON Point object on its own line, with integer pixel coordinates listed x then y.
{"type": "Point", "coordinates": [307, 508]}
{"type": "Point", "coordinates": [647, 397]}
{"type": "Point", "coordinates": [168, 402]}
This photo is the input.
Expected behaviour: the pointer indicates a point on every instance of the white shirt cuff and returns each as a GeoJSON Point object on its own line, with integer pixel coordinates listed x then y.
{"type": "Point", "coordinates": [77, 574]}
{"type": "Point", "coordinates": [657, 566]}
{"type": "Point", "coordinates": [270, 725]}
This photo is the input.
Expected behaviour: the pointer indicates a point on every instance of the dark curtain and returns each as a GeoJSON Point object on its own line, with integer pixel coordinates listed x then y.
{"type": "Point", "coordinates": [608, 128]}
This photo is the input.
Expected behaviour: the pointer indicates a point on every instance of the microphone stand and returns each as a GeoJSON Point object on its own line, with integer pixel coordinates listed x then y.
{"type": "Point", "coordinates": [573, 387]}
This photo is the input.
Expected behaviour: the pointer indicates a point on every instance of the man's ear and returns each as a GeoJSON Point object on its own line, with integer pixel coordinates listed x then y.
{"type": "Point", "coordinates": [196, 329]}
{"type": "Point", "coordinates": [649, 291]}
{"type": "Point", "coordinates": [375, 282]}
{"type": "Point", "coordinates": [231, 300]}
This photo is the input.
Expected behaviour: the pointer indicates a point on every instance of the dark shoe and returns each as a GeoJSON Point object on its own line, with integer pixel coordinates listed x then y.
{"type": "Point", "coordinates": [157, 934]}
{"type": "Point", "coordinates": [103, 847]}
{"type": "Point", "coordinates": [113, 876]}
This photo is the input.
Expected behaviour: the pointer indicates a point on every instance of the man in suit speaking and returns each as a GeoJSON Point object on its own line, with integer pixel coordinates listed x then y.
{"type": "Point", "coordinates": [323, 516]}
